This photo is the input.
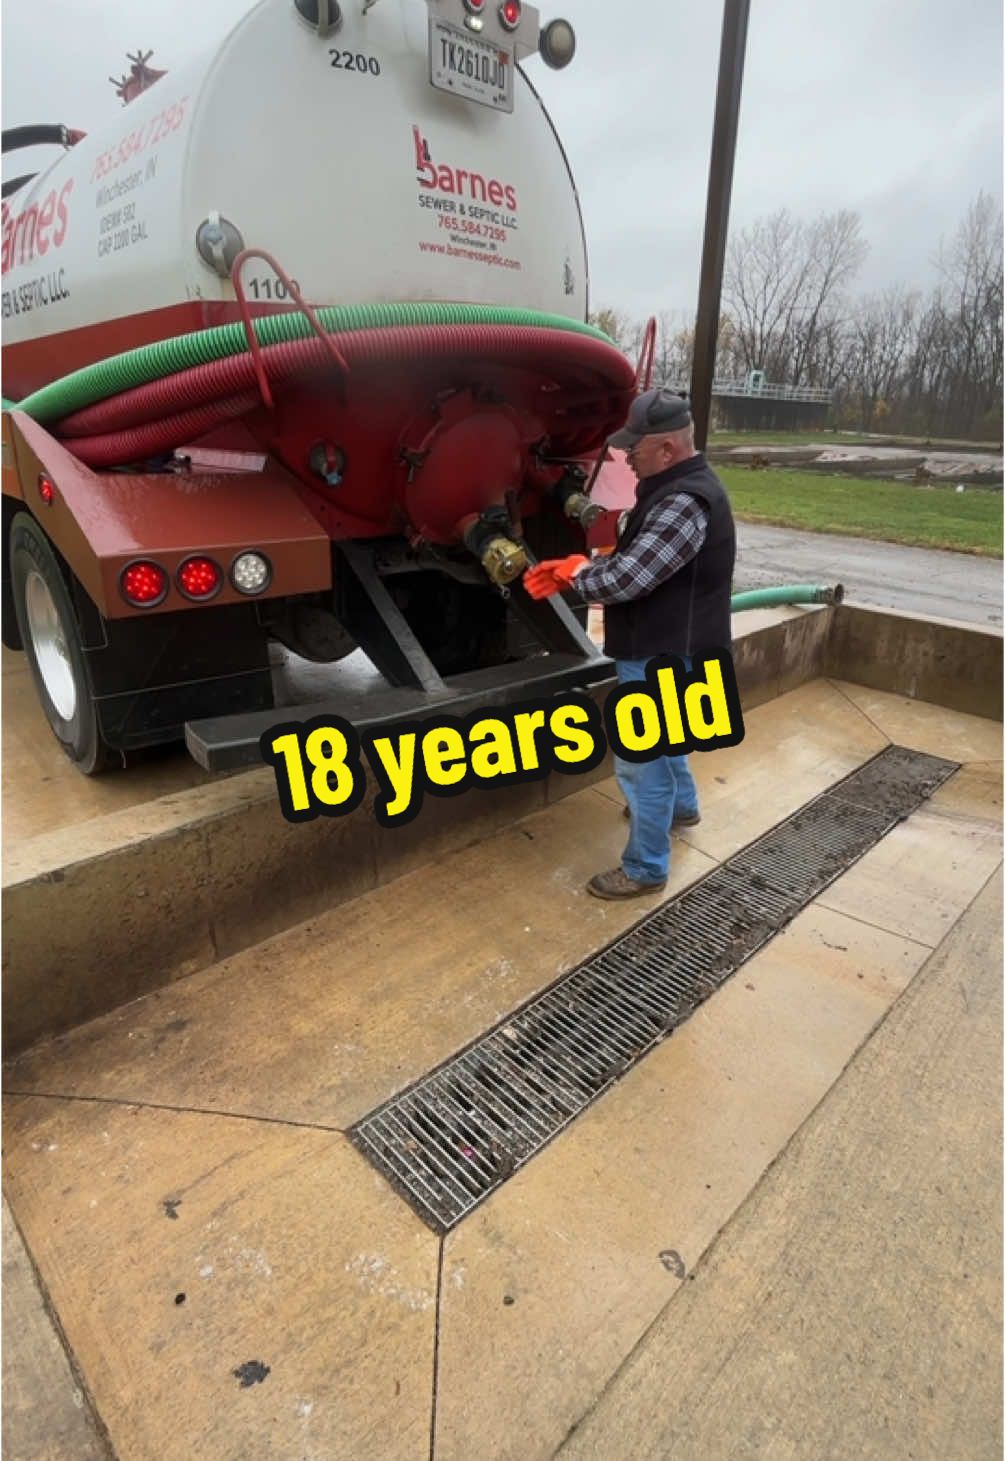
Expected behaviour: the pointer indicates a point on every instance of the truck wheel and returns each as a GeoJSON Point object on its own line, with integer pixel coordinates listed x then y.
{"type": "Point", "coordinates": [51, 639]}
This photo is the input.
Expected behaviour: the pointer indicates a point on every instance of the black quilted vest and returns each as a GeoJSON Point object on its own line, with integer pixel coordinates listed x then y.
{"type": "Point", "coordinates": [690, 611]}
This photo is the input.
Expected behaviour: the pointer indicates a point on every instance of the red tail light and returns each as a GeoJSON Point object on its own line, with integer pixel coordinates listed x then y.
{"type": "Point", "coordinates": [199, 578]}
{"type": "Point", "coordinates": [46, 491]}
{"type": "Point", "coordinates": [474, 7]}
{"type": "Point", "coordinates": [144, 584]}
{"type": "Point", "coordinates": [510, 13]}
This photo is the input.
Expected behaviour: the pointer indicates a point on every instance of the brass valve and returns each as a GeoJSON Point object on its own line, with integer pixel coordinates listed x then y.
{"type": "Point", "coordinates": [577, 505]}
{"type": "Point", "coordinates": [488, 538]}
{"type": "Point", "coordinates": [503, 560]}
{"type": "Point", "coordinates": [582, 509]}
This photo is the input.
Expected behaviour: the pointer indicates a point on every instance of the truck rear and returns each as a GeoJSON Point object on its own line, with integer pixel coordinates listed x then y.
{"type": "Point", "coordinates": [297, 359]}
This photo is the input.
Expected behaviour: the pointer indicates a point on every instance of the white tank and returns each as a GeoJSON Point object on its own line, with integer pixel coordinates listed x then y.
{"type": "Point", "coordinates": [335, 153]}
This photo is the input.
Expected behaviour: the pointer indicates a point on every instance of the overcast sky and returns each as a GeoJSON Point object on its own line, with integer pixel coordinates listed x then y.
{"type": "Point", "coordinates": [892, 108]}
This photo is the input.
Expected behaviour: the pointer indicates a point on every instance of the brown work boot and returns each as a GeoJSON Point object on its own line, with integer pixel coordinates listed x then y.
{"type": "Point", "coordinates": [617, 884]}
{"type": "Point", "coordinates": [690, 819]}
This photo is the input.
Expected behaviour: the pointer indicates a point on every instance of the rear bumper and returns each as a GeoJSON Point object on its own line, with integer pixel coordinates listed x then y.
{"type": "Point", "coordinates": [226, 743]}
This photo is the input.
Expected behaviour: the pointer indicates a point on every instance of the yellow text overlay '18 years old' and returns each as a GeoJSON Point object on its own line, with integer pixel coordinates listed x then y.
{"type": "Point", "coordinates": [319, 764]}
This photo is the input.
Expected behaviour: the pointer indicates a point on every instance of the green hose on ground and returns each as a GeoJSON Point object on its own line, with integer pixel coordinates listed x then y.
{"type": "Point", "coordinates": [166, 357]}
{"type": "Point", "coordinates": [793, 593]}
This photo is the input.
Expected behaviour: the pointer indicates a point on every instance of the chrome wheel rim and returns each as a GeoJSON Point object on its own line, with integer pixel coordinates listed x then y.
{"type": "Point", "coordinates": [48, 641]}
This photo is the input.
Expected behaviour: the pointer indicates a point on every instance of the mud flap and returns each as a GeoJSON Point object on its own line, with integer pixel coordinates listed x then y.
{"type": "Point", "coordinates": [150, 676]}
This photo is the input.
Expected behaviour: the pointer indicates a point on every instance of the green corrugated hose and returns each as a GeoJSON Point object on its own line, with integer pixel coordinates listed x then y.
{"type": "Point", "coordinates": [793, 593]}
{"type": "Point", "coordinates": [165, 357]}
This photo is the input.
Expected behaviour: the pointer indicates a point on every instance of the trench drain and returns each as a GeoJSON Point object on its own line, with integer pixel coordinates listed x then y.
{"type": "Point", "coordinates": [458, 1133]}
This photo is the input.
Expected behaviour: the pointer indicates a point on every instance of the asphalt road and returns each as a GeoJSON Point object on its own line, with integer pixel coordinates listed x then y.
{"type": "Point", "coordinates": [916, 580]}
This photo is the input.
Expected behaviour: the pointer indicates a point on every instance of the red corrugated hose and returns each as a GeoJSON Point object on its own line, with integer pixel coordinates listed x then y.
{"type": "Point", "coordinates": [146, 421]}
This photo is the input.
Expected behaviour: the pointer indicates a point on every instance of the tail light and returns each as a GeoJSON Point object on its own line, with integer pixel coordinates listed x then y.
{"type": "Point", "coordinates": [251, 573]}
{"type": "Point", "coordinates": [200, 578]}
{"type": "Point", "coordinates": [475, 7]}
{"type": "Point", "coordinates": [509, 13]}
{"type": "Point", "coordinates": [143, 584]}
{"type": "Point", "coordinates": [46, 490]}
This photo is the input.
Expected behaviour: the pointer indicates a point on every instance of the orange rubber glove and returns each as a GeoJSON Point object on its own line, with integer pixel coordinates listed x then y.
{"type": "Point", "coordinates": [553, 576]}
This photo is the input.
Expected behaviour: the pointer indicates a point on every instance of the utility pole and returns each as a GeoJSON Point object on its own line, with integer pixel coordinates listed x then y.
{"type": "Point", "coordinates": [720, 187]}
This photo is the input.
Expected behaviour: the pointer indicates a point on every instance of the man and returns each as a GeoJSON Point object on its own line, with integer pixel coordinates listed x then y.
{"type": "Point", "coordinates": [665, 590]}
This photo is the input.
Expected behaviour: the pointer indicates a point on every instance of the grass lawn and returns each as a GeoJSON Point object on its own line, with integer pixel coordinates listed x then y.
{"type": "Point", "coordinates": [895, 512]}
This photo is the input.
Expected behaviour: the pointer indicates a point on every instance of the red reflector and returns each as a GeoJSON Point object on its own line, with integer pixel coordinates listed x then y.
{"type": "Point", "coordinates": [510, 13]}
{"type": "Point", "coordinates": [144, 583]}
{"type": "Point", "coordinates": [199, 578]}
{"type": "Point", "coordinates": [46, 491]}
{"type": "Point", "coordinates": [475, 6]}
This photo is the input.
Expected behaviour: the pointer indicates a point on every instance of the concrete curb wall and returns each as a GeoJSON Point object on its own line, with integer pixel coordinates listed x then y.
{"type": "Point", "coordinates": [955, 665]}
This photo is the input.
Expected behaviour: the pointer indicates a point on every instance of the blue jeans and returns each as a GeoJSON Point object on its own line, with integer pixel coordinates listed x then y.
{"type": "Point", "coordinates": [654, 791]}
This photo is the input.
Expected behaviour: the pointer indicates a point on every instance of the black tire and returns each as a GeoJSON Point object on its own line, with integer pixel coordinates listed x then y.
{"type": "Point", "coordinates": [50, 635]}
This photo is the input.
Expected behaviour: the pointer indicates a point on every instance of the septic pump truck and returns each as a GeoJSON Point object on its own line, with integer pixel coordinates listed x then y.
{"type": "Point", "coordinates": [309, 379]}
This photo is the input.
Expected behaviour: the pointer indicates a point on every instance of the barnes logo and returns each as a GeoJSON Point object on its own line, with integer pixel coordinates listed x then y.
{"type": "Point", "coordinates": [459, 182]}
{"type": "Point", "coordinates": [26, 234]}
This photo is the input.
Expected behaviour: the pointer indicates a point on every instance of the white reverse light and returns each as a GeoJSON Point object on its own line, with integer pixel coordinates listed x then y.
{"type": "Point", "coordinates": [251, 573]}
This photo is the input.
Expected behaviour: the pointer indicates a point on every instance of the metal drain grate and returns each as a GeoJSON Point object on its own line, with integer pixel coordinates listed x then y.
{"type": "Point", "coordinates": [457, 1134]}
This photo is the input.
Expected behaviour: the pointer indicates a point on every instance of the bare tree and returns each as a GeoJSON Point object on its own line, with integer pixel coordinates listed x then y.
{"type": "Point", "coordinates": [971, 269]}
{"type": "Point", "coordinates": [836, 250]}
{"type": "Point", "coordinates": [614, 322]}
{"type": "Point", "coordinates": [674, 349]}
{"type": "Point", "coordinates": [881, 335]}
{"type": "Point", "coordinates": [917, 366]}
{"type": "Point", "coordinates": [783, 280]}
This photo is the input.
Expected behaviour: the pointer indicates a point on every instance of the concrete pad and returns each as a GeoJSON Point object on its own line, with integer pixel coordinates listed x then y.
{"type": "Point", "coordinates": [553, 1280]}
{"type": "Point", "coordinates": [299, 1269]}
{"type": "Point", "coordinates": [925, 727]}
{"type": "Point", "coordinates": [975, 791]}
{"type": "Point", "coordinates": [45, 1412]}
{"type": "Point", "coordinates": [853, 1307]}
{"type": "Point", "coordinates": [328, 1020]}
{"type": "Point", "coordinates": [921, 877]}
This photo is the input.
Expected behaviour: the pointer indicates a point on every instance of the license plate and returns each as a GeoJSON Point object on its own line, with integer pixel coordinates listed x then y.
{"type": "Point", "coordinates": [475, 69]}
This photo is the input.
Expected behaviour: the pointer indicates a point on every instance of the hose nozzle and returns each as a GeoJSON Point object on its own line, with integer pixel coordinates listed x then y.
{"type": "Point", "coordinates": [575, 503]}
{"type": "Point", "coordinates": [502, 558]}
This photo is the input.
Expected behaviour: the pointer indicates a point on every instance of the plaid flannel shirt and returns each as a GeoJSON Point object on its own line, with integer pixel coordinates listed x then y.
{"type": "Point", "coordinates": [671, 537]}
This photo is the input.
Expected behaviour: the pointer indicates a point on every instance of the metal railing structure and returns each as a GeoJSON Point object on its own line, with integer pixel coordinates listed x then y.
{"type": "Point", "coordinates": [763, 391]}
